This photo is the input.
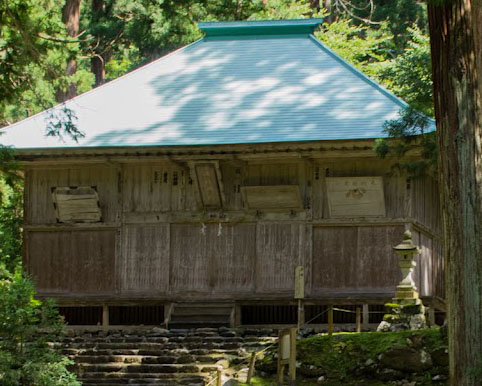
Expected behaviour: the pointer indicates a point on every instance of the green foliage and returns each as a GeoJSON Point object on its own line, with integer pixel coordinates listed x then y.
{"type": "Point", "coordinates": [34, 48]}
{"type": "Point", "coordinates": [398, 16]}
{"type": "Point", "coordinates": [129, 33]}
{"type": "Point", "coordinates": [11, 223]}
{"type": "Point", "coordinates": [283, 9]}
{"type": "Point", "coordinates": [61, 122]}
{"type": "Point", "coordinates": [365, 48]}
{"type": "Point", "coordinates": [27, 329]}
{"type": "Point", "coordinates": [407, 131]}
{"type": "Point", "coordinates": [410, 75]}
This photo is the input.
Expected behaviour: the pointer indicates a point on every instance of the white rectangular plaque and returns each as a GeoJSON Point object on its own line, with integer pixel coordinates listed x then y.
{"type": "Point", "coordinates": [355, 196]}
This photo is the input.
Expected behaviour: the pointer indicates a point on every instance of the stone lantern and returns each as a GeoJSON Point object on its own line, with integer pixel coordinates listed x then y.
{"type": "Point", "coordinates": [406, 310]}
{"type": "Point", "coordinates": [406, 250]}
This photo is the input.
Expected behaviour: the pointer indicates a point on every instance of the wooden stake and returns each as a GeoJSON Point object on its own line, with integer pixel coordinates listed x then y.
{"type": "Point", "coordinates": [281, 370]}
{"type": "Point", "coordinates": [358, 319]}
{"type": "Point", "coordinates": [301, 314]}
{"type": "Point", "coordinates": [330, 320]}
{"type": "Point", "coordinates": [292, 365]}
{"type": "Point", "coordinates": [252, 361]}
{"type": "Point", "coordinates": [281, 366]}
{"type": "Point", "coordinates": [219, 379]}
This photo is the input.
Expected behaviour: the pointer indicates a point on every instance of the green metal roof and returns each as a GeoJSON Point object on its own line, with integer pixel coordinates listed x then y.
{"type": "Point", "coordinates": [279, 85]}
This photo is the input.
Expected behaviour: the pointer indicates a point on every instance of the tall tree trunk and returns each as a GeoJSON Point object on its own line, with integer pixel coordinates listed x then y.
{"type": "Point", "coordinates": [97, 63]}
{"type": "Point", "coordinates": [71, 19]}
{"type": "Point", "coordinates": [456, 43]}
{"type": "Point", "coordinates": [328, 5]}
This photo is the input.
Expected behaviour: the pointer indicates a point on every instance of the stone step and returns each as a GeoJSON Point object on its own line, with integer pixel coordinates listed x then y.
{"type": "Point", "coordinates": [180, 323]}
{"type": "Point", "coordinates": [99, 378]}
{"type": "Point", "coordinates": [177, 352]}
{"type": "Point", "coordinates": [180, 356]}
{"type": "Point", "coordinates": [206, 344]}
{"type": "Point", "coordinates": [140, 359]}
{"type": "Point", "coordinates": [138, 368]}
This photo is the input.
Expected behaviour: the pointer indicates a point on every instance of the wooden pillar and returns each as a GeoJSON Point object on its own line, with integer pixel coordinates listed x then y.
{"type": "Point", "coordinates": [366, 316]}
{"type": "Point", "coordinates": [105, 315]}
{"type": "Point", "coordinates": [431, 316]}
{"type": "Point", "coordinates": [330, 320]}
{"type": "Point", "coordinates": [237, 315]}
{"type": "Point", "coordinates": [358, 319]}
{"type": "Point", "coordinates": [167, 314]}
{"type": "Point", "coordinates": [232, 317]}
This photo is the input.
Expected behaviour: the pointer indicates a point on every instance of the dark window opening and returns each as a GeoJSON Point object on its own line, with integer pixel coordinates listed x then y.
{"type": "Point", "coordinates": [82, 316]}
{"type": "Point", "coordinates": [136, 315]}
{"type": "Point", "coordinates": [318, 314]}
{"type": "Point", "coordinates": [376, 313]}
{"type": "Point", "coordinates": [269, 314]}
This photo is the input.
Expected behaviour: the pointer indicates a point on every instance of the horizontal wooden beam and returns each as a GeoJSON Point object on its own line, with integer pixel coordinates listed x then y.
{"type": "Point", "coordinates": [315, 149]}
{"type": "Point", "coordinates": [71, 227]}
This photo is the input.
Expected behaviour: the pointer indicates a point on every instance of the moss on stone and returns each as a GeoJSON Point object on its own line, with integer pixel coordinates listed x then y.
{"type": "Point", "coordinates": [341, 355]}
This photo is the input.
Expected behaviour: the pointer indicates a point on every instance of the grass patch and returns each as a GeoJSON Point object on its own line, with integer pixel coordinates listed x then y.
{"type": "Point", "coordinates": [309, 382]}
{"type": "Point", "coordinates": [340, 353]}
{"type": "Point", "coordinates": [339, 357]}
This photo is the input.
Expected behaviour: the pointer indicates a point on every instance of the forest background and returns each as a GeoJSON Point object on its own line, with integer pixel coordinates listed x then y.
{"type": "Point", "coordinates": [52, 50]}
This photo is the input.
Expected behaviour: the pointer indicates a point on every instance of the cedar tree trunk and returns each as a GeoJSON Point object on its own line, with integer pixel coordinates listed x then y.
{"type": "Point", "coordinates": [97, 63]}
{"type": "Point", "coordinates": [71, 19]}
{"type": "Point", "coordinates": [456, 44]}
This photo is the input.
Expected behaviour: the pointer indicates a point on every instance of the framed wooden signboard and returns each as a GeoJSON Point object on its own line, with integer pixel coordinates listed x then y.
{"type": "Point", "coordinates": [355, 196]}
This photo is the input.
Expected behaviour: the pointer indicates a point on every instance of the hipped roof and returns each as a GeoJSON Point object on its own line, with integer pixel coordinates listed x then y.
{"type": "Point", "coordinates": [244, 82]}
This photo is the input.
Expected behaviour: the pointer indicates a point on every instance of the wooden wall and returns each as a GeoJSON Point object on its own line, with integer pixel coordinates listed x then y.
{"type": "Point", "coordinates": [157, 241]}
{"type": "Point", "coordinates": [355, 258]}
{"type": "Point", "coordinates": [73, 261]}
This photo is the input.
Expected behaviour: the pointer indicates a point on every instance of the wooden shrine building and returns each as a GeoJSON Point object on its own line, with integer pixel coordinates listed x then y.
{"type": "Point", "coordinates": [205, 178]}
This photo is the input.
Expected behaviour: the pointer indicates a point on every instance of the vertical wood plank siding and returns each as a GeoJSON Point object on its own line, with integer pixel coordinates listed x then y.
{"type": "Point", "coordinates": [40, 209]}
{"type": "Point", "coordinates": [72, 261]}
{"type": "Point", "coordinates": [146, 253]}
{"type": "Point", "coordinates": [212, 258]}
{"type": "Point", "coordinates": [143, 264]}
{"type": "Point", "coordinates": [351, 259]}
{"type": "Point", "coordinates": [426, 203]}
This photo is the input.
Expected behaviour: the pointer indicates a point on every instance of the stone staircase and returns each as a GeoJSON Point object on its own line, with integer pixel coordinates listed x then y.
{"type": "Point", "coordinates": [162, 357]}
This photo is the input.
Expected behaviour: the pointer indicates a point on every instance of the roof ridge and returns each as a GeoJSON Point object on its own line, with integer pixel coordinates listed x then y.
{"type": "Point", "coordinates": [260, 27]}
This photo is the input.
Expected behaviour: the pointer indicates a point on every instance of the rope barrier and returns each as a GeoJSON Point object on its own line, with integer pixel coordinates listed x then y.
{"type": "Point", "coordinates": [246, 361]}
{"type": "Point", "coordinates": [317, 316]}
{"type": "Point", "coordinates": [239, 365]}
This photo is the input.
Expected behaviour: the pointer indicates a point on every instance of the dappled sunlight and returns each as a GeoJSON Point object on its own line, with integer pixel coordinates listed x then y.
{"type": "Point", "coordinates": [220, 91]}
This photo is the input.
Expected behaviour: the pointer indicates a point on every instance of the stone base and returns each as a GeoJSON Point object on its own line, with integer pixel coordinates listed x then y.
{"type": "Point", "coordinates": [404, 314]}
{"type": "Point", "coordinates": [406, 293]}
